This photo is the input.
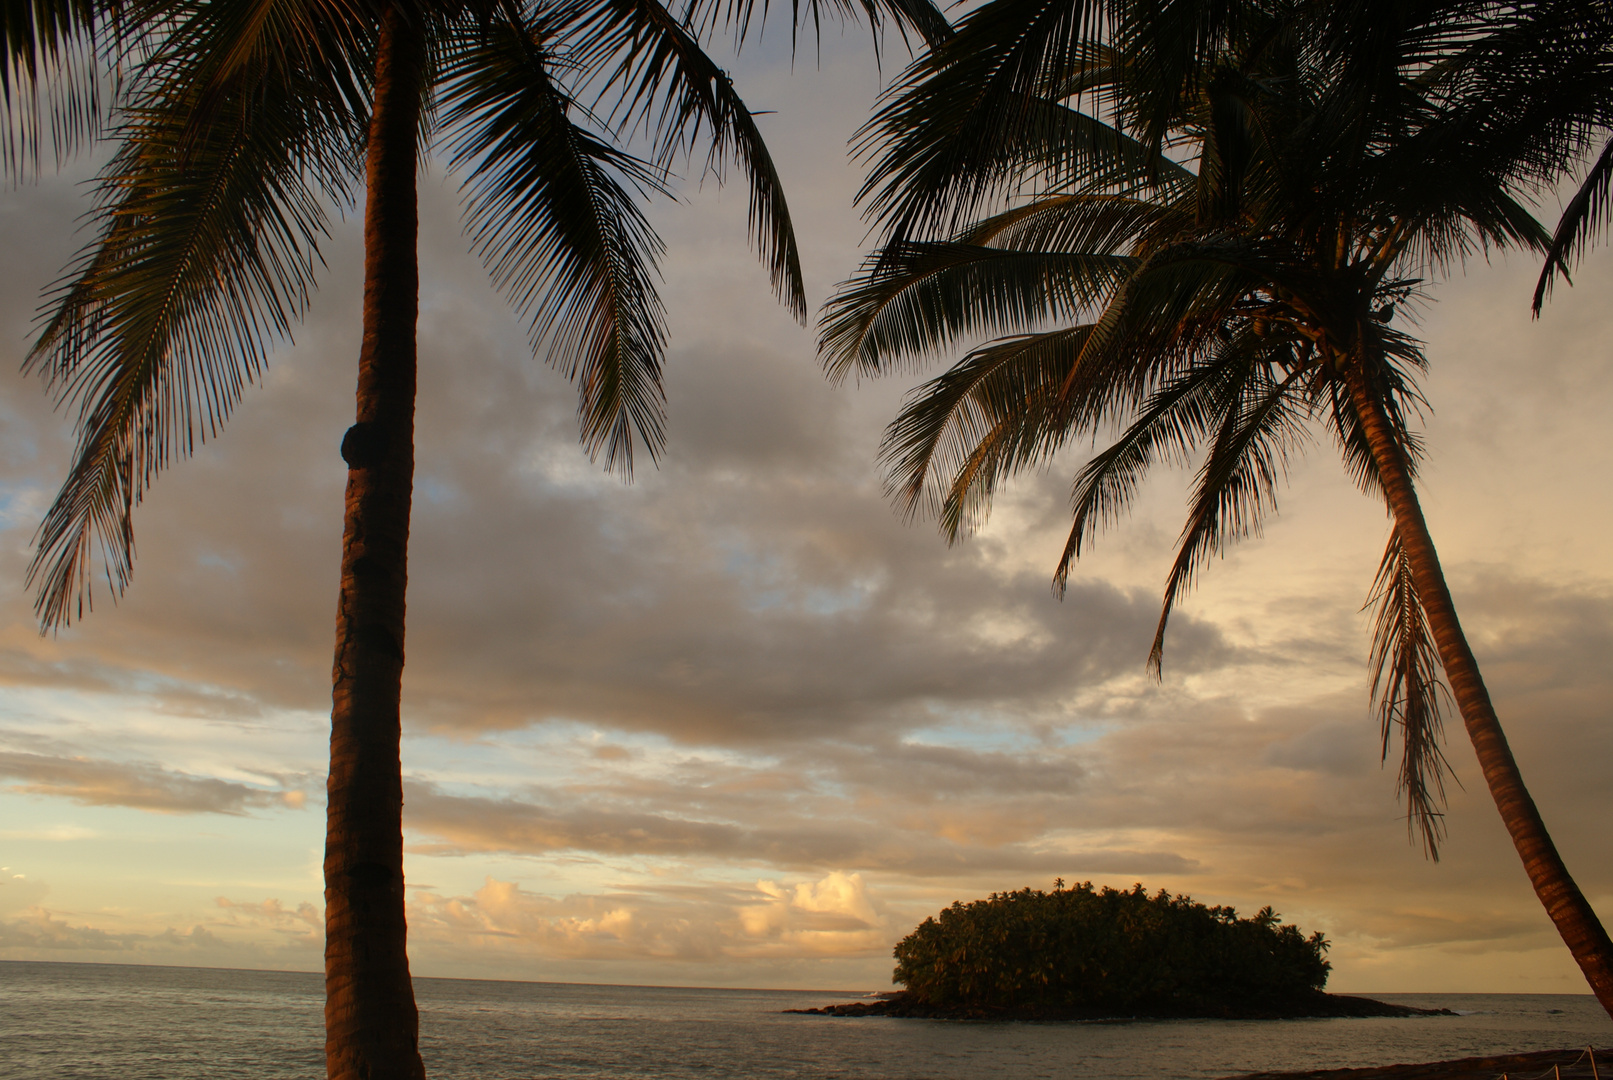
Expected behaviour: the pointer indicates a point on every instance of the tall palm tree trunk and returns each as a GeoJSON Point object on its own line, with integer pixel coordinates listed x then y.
{"type": "Point", "coordinates": [1575, 919]}
{"type": "Point", "coordinates": [371, 1025]}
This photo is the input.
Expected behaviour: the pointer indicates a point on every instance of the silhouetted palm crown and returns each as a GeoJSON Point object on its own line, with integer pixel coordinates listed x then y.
{"type": "Point", "coordinates": [1195, 225]}
{"type": "Point", "coordinates": [1199, 266]}
{"type": "Point", "coordinates": [242, 122]}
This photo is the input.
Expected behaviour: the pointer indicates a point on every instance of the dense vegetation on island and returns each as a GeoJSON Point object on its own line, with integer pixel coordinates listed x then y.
{"type": "Point", "coordinates": [1103, 949]}
{"type": "Point", "coordinates": [1083, 953]}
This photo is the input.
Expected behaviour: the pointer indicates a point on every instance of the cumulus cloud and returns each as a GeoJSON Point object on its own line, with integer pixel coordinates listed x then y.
{"type": "Point", "coordinates": [835, 916]}
{"type": "Point", "coordinates": [39, 932]}
{"type": "Point", "coordinates": [304, 924]}
{"type": "Point", "coordinates": [36, 930]}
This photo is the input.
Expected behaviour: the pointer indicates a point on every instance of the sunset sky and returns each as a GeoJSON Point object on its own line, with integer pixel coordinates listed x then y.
{"type": "Point", "coordinates": [739, 724]}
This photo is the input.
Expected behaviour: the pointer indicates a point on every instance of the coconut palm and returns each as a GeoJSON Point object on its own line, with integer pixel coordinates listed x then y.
{"type": "Point", "coordinates": [1197, 225]}
{"type": "Point", "coordinates": [239, 123]}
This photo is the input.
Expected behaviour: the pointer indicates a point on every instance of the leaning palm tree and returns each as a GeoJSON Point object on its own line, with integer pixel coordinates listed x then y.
{"type": "Point", "coordinates": [1198, 227]}
{"type": "Point", "coordinates": [238, 123]}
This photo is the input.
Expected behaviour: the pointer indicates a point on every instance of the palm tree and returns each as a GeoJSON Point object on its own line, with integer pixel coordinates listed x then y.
{"type": "Point", "coordinates": [239, 123]}
{"type": "Point", "coordinates": [1199, 225]}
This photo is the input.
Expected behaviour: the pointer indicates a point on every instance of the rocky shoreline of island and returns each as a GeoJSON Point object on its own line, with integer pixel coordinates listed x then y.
{"type": "Point", "coordinates": [1569, 1064]}
{"type": "Point", "coordinates": [907, 1005]}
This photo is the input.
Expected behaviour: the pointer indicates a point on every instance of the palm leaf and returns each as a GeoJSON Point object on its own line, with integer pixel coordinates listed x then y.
{"type": "Point", "coordinates": [1168, 429]}
{"type": "Point", "coordinates": [561, 235]}
{"type": "Point", "coordinates": [1171, 50]}
{"type": "Point", "coordinates": [209, 50]}
{"type": "Point", "coordinates": [970, 120]}
{"type": "Point", "coordinates": [1262, 424]}
{"type": "Point", "coordinates": [51, 91]}
{"type": "Point", "coordinates": [995, 410]}
{"type": "Point", "coordinates": [1076, 223]}
{"type": "Point", "coordinates": [1178, 300]}
{"type": "Point", "coordinates": [1582, 222]}
{"type": "Point", "coordinates": [208, 240]}
{"type": "Point", "coordinates": [1048, 258]}
{"type": "Point", "coordinates": [920, 17]}
{"type": "Point", "coordinates": [919, 298]}
{"type": "Point", "coordinates": [652, 69]}
{"type": "Point", "coordinates": [1407, 692]}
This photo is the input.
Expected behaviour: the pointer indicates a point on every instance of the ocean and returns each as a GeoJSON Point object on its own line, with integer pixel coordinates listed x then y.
{"type": "Point", "coordinates": [118, 1022]}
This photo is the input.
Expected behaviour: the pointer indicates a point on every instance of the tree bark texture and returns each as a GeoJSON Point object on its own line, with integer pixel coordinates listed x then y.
{"type": "Point", "coordinates": [1574, 917]}
{"type": "Point", "coordinates": [371, 1024]}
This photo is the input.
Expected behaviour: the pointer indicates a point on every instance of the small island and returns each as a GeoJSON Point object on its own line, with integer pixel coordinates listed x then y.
{"type": "Point", "coordinates": [1081, 953]}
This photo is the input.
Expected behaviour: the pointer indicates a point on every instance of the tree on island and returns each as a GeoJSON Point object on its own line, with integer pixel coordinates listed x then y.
{"type": "Point", "coordinates": [1338, 156]}
{"type": "Point", "coordinates": [238, 123]}
{"type": "Point", "coordinates": [1107, 950]}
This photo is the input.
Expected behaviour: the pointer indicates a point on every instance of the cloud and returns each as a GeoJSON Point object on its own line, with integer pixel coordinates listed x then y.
{"type": "Point", "coordinates": [708, 602]}
{"type": "Point", "coordinates": [260, 936]}
{"type": "Point", "coordinates": [145, 787]}
{"type": "Point", "coordinates": [835, 916]}
{"type": "Point", "coordinates": [304, 924]}
{"type": "Point", "coordinates": [18, 891]}
{"type": "Point", "coordinates": [37, 931]}
{"type": "Point", "coordinates": [889, 832]}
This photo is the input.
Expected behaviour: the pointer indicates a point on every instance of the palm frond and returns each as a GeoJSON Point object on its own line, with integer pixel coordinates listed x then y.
{"type": "Point", "coordinates": [34, 32]}
{"type": "Point", "coordinates": [651, 67]}
{"type": "Point", "coordinates": [920, 17]}
{"type": "Point", "coordinates": [208, 52]}
{"type": "Point", "coordinates": [1169, 428]}
{"type": "Point", "coordinates": [1262, 425]}
{"type": "Point", "coordinates": [1409, 694]}
{"type": "Point", "coordinates": [970, 120]}
{"type": "Point", "coordinates": [1179, 299]}
{"type": "Point", "coordinates": [553, 212]}
{"type": "Point", "coordinates": [206, 248]}
{"type": "Point", "coordinates": [1050, 258]}
{"type": "Point", "coordinates": [994, 411]}
{"type": "Point", "coordinates": [53, 91]}
{"type": "Point", "coordinates": [924, 18]}
{"type": "Point", "coordinates": [1582, 222]}
{"type": "Point", "coordinates": [1462, 213]}
{"type": "Point", "coordinates": [917, 299]}
{"type": "Point", "coordinates": [1172, 50]}
{"type": "Point", "coordinates": [1099, 224]}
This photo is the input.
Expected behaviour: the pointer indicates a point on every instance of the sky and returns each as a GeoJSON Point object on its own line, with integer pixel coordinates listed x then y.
{"type": "Point", "coordinates": [738, 723]}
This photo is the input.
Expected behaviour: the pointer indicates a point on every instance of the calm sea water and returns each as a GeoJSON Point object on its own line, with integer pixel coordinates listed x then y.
{"type": "Point", "coordinates": [133, 1023]}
